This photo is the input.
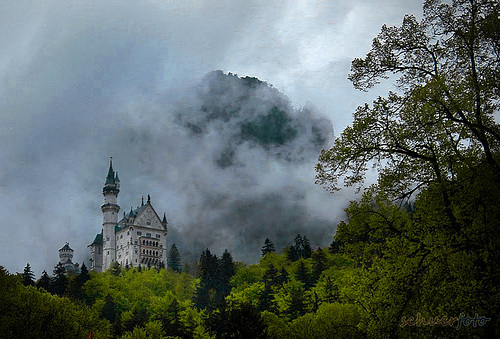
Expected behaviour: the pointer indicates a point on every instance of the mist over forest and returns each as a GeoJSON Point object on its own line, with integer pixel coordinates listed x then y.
{"type": "Point", "coordinates": [251, 162]}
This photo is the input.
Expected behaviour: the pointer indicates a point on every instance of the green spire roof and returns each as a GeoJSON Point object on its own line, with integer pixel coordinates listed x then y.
{"type": "Point", "coordinates": [164, 219]}
{"type": "Point", "coordinates": [97, 239]}
{"type": "Point", "coordinates": [110, 179]}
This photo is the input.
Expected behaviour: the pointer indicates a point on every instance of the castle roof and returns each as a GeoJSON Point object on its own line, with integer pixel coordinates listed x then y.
{"type": "Point", "coordinates": [97, 239]}
{"type": "Point", "coordinates": [124, 222]}
{"type": "Point", "coordinates": [110, 178]}
{"type": "Point", "coordinates": [66, 248]}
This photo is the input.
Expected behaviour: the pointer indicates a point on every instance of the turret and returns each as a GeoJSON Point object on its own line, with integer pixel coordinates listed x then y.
{"type": "Point", "coordinates": [164, 221]}
{"type": "Point", "coordinates": [65, 254]}
{"type": "Point", "coordinates": [110, 211]}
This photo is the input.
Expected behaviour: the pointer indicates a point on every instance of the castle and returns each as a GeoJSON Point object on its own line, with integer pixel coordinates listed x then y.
{"type": "Point", "coordinates": [138, 239]}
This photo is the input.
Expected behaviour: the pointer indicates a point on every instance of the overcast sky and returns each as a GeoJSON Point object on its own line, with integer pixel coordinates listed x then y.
{"type": "Point", "coordinates": [81, 81]}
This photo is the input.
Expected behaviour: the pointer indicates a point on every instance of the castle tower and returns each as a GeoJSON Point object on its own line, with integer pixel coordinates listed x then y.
{"type": "Point", "coordinates": [65, 254]}
{"type": "Point", "coordinates": [110, 211]}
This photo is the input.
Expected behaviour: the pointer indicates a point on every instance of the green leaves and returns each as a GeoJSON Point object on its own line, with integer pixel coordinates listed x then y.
{"type": "Point", "coordinates": [442, 117]}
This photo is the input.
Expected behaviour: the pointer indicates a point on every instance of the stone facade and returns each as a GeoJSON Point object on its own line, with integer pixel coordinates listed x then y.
{"type": "Point", "coordinates": [138, 239]}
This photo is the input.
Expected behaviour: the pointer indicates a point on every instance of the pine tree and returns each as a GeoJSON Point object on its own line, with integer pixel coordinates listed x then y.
{"type": "Point", "coordinates": [28, 278]}
{"type": "Point", "coordinates": [207, 271]}
{"type": "Point", "coordinates": [335, 247]}
{"type": "Point", "coordinates": [226, 271]}
{"type": "Point", "coordinates": [319, 263]}
{"type": "Point", "coordinates": [291, 253]}
{"type": "Point", "coordinates": [226, 267]}
{"type": "Point", "coordinates": [284, 277]}
{"type": "Point", "coordinates": [75, 286]}
{"type": "Point", "coordinates": [331, 291]}
{"type": "Point", "coordinates": [60, 282]}
{"type": "Point", "coordinates": [303, 275]}
{"type": "Point", "coordinates": [174, 259]}
{"type": "Point", "coordinates": [268, 247]}
{"type": "Point", "coordinates": [271, 281]}
{"type": "Point", "coordinates": [115, 268]}
{"type": "Point", "coordinates": [44, 281]}
{"type": "Point", "coordinates": [299, 246]}
{"type": "Point", "coordinates": [300, 249]}
{"type": "Point", "coordinates": [84, 274]}
{"type": "Point", "coordinates": [306, 248]}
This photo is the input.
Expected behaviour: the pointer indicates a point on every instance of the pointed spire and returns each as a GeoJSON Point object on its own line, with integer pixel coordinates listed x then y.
{"type": "Point", "coordinates": [110, 179]}
{"type": "Point", "coordinates": [149, 199]}
{"type": "Point", "coordinates": [131, 214]}
{"type": "Point", "coordinates": [142, 201]}
{"type": "Point", "coordinates": [164, 221]}
{"type": "Point", "coordinates": [116, 177]}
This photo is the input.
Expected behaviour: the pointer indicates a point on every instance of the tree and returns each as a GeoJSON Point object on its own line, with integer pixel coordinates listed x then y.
{"type": "Point", "coordinates": [271, 283]}
{"type": "Point", "coordinates": [59, 282]}
{"type": "Point", "coordinates": [244, 321]}
{"type": "Point", "coordinates": [441, 120]}
{"type": "Point", "coordinates": [44, 281]}
{"type": "Point", "coordinates": [207, 271]}
{"type": "Point", "coordinates": [319, 263]}
{"type": "Point", "coordinates": [303, 275]}
{"type": "Point", "coordinates": [268, 247]}
{"type": "Point", "coordinates": [435, 141]}
{"type": "Point", "coordinates": [26, 312]}
{"type": "Point", "coordinates": [300, 249]}
{"type": "Point", "coordinates": [28, 278]}
{"type": "Point", "coordinates": [84, 274]}
{"type": "Point", "coordinates": [115, 268]}
{"type": "Point", "coordinates": [335, 247]}
{"type": "Point", "coordinates": [226, 271]}
{"type": "Point", "coordinates": [174, 259]}
{"type": "Point", "coordinates": [307, 250]}
{"type": "Point", "coordinates": [76, 282]}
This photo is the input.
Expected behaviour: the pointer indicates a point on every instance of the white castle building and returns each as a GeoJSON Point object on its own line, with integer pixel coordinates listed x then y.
{"type": "Point", "coordinates": [138, 239]}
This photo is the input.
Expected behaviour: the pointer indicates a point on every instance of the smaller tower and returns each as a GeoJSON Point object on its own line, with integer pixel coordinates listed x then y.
{"type": "Point", "coordinates": [110, 211]}
{"type": "Point", "coordinates": [65, 254]}
{"type": "Point", "coordinates": [66, 259]}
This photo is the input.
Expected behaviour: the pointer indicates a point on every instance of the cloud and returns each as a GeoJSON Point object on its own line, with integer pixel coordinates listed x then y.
{"type": "Point", "coordinates": [81, 81]}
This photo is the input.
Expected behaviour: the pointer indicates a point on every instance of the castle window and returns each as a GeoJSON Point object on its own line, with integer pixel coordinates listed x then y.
{"type": "Point", "coordinates": [128, 232]}
{"type": "Point", "coordinates": [158, 236]}
{"type": "Point", "coordinates": [148, 234]}
{"type": "Point", "coordinates": [121, 236]}
{"type": "Point", "coordinates": [148, 222]}
{"type": "Point", "coordinates": [139, 233]}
